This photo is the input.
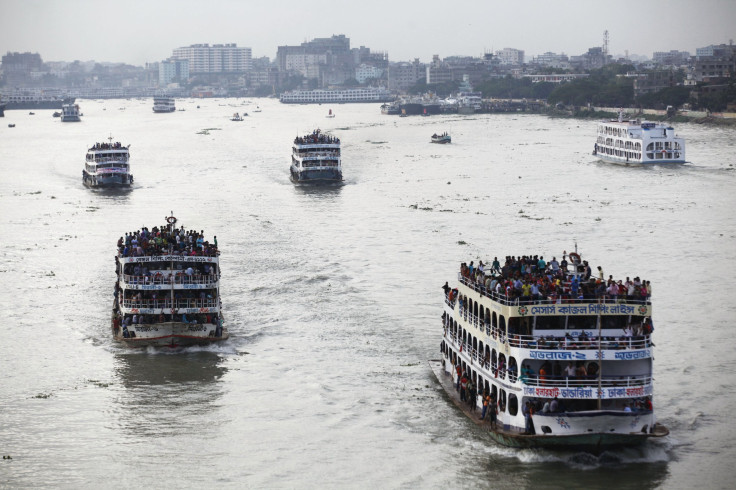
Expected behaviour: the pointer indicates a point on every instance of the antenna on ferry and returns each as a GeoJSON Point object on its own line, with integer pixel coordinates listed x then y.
{"type": "Point", "coordinates": [576, 247]}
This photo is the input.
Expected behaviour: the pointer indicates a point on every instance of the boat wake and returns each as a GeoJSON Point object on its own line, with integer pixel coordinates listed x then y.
{"type": "Point", "coordinates": [653, 452]}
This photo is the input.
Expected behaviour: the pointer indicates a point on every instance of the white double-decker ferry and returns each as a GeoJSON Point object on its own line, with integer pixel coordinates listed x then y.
{"type": "Point", "coordinates": [163, 104]}
{"type": "Point", "coordinates": [635, 142]}
{"type": "Point", "coordinates": [319, 96]}
{"type": "Point", "coordinates": [70, 113]}
{"type": "Point", "coordinates": [107, 165]}
{"type": "Point", "coordinates": [543, 355]}
{"type": "Point", "coordinates": [315, 159]}
{"type": "Point", "coordinates": [167, 291]}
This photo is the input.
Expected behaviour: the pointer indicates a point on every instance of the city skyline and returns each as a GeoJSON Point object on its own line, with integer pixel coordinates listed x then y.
{"type": "Point", "coordinates": [146, 32]}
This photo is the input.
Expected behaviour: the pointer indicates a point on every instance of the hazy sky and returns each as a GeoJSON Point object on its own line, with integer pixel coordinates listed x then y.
{"type": "Point", "coordinates": [138, 31]}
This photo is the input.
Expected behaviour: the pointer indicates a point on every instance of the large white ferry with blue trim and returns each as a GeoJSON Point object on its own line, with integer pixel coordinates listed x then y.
{"type": "Point", "coordinates": [338, 96]}
{"type": "Point", "coordinates": [636, 142]}
{"type": "Point", "coordinates": [544, 355]}
{"type": "Point", "coordinates": [167, 291]}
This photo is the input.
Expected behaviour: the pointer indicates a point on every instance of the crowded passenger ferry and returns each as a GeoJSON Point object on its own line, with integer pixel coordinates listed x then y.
{"type": "Point", "coordinates": [635, 142]}
{"type": "Point", "coordinates": [167, 291]}
{"type": "Point", "coordinates": [315, 159]}
{"type": "Point", "coordinates": [549, 354]}
{"type": "Point", "coordinates": [164, 104]}
{"type": "Point", "coordinates": [107, 165]}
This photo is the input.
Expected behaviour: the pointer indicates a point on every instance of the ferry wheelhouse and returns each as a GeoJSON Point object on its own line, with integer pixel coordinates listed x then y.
{"type": "Point", "coordinates": [563, 360]}
{"type": "Point", "coordinates": [635, 142]}
{"type": "Point", "coordinates": [163, 104]}
{"type": "Point", "coordinates": [316, 159]}
{"type": "Point", "coordinates": [70, 113]}
{"type": "Point", "coordinates": [107, 165]}
{"type": "Point", "coordinates": [167, 291]}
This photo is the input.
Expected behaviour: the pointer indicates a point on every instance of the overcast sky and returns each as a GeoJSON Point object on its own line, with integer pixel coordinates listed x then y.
{"type": "Point", "coordinates": [140, 31]}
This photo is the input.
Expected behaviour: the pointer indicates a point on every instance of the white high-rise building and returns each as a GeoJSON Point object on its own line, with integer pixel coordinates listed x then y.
{"type": "Point", "coordinates": [510, 56]}
{"type": "Point", "coordinates": [218, 58]}
{"type": "Point", "coordinates": [173, 70]}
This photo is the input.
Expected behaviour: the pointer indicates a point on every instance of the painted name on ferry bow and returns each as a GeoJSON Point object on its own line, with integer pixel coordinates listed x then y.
{"type": "Point", "coordinates": [584, 392]}
{"type": "Point", "coordinates": [594, 309]}
{"type": "Point", "coordinates": [167, 258]}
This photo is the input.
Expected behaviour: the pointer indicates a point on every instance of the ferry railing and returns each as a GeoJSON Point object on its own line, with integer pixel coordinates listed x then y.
{"type": "Point", "coordinates": [168, 279]}
{"type": "Point", "coordinates": [565, 343]}
{"type": "Point", "coordinates": [563, 299]}
{"type": "Point", "coordinates": [617, 381]}
{"type": "Point", "coordinates": [167, 303]}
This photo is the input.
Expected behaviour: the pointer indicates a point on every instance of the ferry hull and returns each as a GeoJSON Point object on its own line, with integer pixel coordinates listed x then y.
{"type": "Point", "coordinates": [593, 442]}
{"type": "Point", "coordinates": [630, 162]}
{"type": "Point", "coordinates": [170, 334]}
{"type": "Point", "coordinates": [111, 180]}
{"type": "Point", "coordinates": [316, 176]}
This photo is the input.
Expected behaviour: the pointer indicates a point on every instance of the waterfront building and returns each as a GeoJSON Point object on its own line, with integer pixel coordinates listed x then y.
{"type": "Point", "coordinates": [715, 62]}
{"type": "Point", "coordinates": [511, 56]}
{"type": "Point", "coordinates": [218, 58]}
{"type": "Point", "coordinates": [365, 72]}
{"type": "Point", "coordinates": [404, 74]}
{"type": "Point", "coordinates": [172, 70]}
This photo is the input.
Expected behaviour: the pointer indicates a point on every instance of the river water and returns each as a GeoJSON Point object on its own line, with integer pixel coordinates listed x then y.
{"type": "Point", "coordinates": [333, 297]}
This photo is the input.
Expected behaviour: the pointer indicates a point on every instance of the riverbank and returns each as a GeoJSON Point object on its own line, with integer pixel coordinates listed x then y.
{"type": "Point", "coordinates": [697, 118]}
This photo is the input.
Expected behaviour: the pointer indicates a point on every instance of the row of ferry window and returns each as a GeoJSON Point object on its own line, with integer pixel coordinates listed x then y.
{"type": "Point", "coordinates": [621, 153]}
{"type": "Point", "coordinates": [613, 131]}
{"type": "Point", "coordinates": [629, 145]}
{"type": "Point", "coordinates": [666, 145]}
{"type": "Point", "coordinates": [120, 157]}
{"type": "Point", "coordinates": [92, 168]}
{"type": "Point", "coordinates": [525, 325]}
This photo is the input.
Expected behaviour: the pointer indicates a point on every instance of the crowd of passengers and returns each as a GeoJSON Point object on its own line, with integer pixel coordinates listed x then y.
{"type": "Point", "coordinates": [316, 137]}
{"type": "Point", "coordinates": [162, 299]}
{"type": "Point", "coordinates": [106, 146]}
{"type": "Point", "coordinates": [470, 392]}
{"type": "Point", "coordinates": [636, 337]}
{"type": "Point", "coordinates": [128, 320]}
{"type": "Point", "coordinates": [529, 279]}
{"type": "Point", "coordinates": [160, 272]}
{"type": "Point", "coordinates": [162, 240]}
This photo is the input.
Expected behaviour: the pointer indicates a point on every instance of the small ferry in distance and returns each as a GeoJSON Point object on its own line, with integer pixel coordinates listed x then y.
{"type": "Point", "coordinates": [236, 117]}
{"type": "Point", "coordinates": [315, 159]}
{"type": "Point", "coordinates": [163, 104]}
{"type": "Point", "coordinates": [442, 139]}
{"type": "Point", "coordinates": [390, 109]}
{"type": "Point", "coordinates": [107, 165]}
{"type": "Point", "coordinates": [70, 113]}
{"type": "Point", "coordinates": [636, 142]}
{"type": "Point", "coordinates": [330, 114]}
{"type": "Point", "coordinates": [542, 354]}
{"type": "Point", "coordinates": [167, 291]}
